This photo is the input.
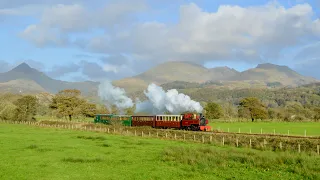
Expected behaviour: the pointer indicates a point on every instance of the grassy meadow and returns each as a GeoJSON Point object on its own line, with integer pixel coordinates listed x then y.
{"type": "Point", "coordinates": [295, 128]}
{"type": "Point", "coordinates": [29, 152]}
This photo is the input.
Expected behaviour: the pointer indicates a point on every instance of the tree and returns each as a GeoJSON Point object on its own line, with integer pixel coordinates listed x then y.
{"type": "Point", "coordinates": [213, 111]}
{"type": "Point", "coordinates": [316, 115]}
{"type": "Point", "coordinates": [7, 110]}
{"type": "Point", "coordinates": [272, 113]}
{"type": "Point", "coordinates": [26, 108]}
{"type": "Point", "coordinates": [229, 110]}
{"type": "Point", "coordinates": [89, 109]}
{"type": "Point", "coordinates": [253, 107]}
{"type": "Point", "coordinates": [68, 103]}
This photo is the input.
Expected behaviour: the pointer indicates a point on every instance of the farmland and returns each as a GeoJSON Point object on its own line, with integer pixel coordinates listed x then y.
{"type": "Point", "coordinates": [294, 128]}
{"type": "Point", "coordinates": [29, 152]}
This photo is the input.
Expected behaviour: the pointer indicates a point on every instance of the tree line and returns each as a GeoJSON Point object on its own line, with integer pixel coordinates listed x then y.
{"type": "Point", "coordinates": [69, 104]}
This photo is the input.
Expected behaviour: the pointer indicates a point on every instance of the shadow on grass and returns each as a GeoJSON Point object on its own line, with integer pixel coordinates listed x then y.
{"type": "Point", "coordinates": [105, 145]}
{"type": "Point", "coordinates": [35, 147]}
{"type": "Point", "coordinates": [99, 138]}
{"type": "Point", "coordinates": [82, 160]}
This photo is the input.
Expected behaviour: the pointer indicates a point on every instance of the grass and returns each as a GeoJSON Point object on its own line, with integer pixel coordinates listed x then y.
{"type": "Point", "coordinates": [295, 128]}
{"type": "Point", "coordinates": [29, 152]}
{"type": "Point", "coordinates": [50, 118]}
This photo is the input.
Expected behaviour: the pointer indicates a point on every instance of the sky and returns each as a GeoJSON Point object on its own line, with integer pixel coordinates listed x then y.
{"type": "Point", "coordinates": [79, 40]}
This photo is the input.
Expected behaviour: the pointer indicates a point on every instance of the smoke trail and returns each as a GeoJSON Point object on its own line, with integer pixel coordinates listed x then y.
{"type": "Point", "coordinates": [160, 101]}
{"type": "Point", "coordinates": [111, 95]}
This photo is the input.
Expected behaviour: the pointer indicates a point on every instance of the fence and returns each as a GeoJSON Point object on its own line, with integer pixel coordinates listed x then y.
{"type": "Point", "coordinates": [264, 131]}
{"type": "Point", "coordinates": [307, 145]}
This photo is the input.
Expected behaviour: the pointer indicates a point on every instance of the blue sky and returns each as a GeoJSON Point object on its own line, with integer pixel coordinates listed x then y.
{"type": "Point", "coordinates": [100, 40]}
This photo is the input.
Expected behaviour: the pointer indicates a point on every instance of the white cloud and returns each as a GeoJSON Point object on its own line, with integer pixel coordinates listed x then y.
{"type": "Point", "coordinates": [233, 32]}
{"type": "Point", "coordinates": [252, 34]}
{"type": "Point", "coordinates": [110, 68]}
{"type": "Point", "coordinates": [41, 36]}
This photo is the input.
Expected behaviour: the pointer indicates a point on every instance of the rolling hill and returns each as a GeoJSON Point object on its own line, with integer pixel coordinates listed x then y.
{"type": "Point", "coordinates": [29, 80]}
{"type": "Point", "coordinates": [263, 76]}
{"type": "Point", "coordinates": [175, 71]}
{"type": "Point", "coordinates": [270, 73]}
{"type": "Point", "coordinates": [178, 75]}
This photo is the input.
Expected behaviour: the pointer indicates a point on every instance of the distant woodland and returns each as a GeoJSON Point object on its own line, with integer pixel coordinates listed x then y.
{"type": "Point", "coordinates": [278, 104]}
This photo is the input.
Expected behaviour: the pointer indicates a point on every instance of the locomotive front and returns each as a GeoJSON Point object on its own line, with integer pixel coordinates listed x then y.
{"type": "Point", "coordinates": [203, 123]}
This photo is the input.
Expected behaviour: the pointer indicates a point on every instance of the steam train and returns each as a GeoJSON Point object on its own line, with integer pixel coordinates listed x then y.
{"type": "Point", "coordinates": [188, 121]}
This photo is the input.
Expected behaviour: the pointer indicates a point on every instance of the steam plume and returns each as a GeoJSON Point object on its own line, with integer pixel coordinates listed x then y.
{"type": "Point", "coordinates": [111, 95]}
{"type": "Point", "coordinates": [160, 101]}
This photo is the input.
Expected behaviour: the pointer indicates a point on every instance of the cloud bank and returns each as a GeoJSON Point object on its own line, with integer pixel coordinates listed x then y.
{"type": "Point", "coordinates": [130, 34]}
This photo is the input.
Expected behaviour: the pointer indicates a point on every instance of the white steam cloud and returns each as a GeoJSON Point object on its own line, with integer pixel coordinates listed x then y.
{"type": "Point", "coordinates": [111, 95]}
{"type": "Point", "coordinates": [160, 101]}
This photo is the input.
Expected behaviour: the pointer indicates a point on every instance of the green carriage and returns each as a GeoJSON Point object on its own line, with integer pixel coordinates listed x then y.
{"type": "Point", "coordinates": [109, 119]}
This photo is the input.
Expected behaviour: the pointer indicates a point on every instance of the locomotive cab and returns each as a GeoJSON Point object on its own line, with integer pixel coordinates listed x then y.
{"type": "Point", "coordinates": [203, 121]}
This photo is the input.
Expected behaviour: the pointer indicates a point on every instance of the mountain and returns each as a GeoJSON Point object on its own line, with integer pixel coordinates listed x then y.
{"type": "Point", "coordinates": [271, 73]}
{"type": "Point", "coordinates": [264, 75]}
{"type": "Point", "coordinates": [175, 71]}
{"type": "Point", "coordinates": [29, 80]}
{"type": "Point", "coordinates": [180, 75]}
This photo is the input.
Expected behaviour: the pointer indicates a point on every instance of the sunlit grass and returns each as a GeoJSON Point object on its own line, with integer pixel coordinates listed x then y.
{"type": "Point", "coordinates": [293, 128]}
{"type": "Point", "coordinates": [29, 152]}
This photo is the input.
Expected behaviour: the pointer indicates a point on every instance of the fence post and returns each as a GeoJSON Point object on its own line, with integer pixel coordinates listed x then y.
{"type": "Point", "coordinates": [299, 148]}
{"type": "Point", "coordinates": [250, 143]}
{"type": "Point", "coordinates": [223, 141]}
{"type": "Point", "coordinates": [237, 142]}
{"type": "Point", "coordinates": [135, 132]}
{"type": "Point", "coordinates": [210, 138]}
{"type": "Point", "coordinates": [175, 136]}
{"type": "Point", "coordinates": [318, 149]}
{"type": "Point", "coordinates": [108, 130]}
{"type": "Point", "coordinates": [166, 135]}
{"type": "Point", "coordinates": [184, 137]}
{"type": "Point", "coordinates": [281, 145]}
{"type": "Point", "coordinates": [194, 137]}
{"type": "Point", "coordinates": [141, 133]}
{"type": "Point", "coordinates": [157, 134]}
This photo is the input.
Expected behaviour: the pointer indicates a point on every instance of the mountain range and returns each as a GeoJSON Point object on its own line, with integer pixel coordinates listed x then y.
{"type": "Point", "coordinates": [264, 75]}
{"type": "Point", "coordinates": [25, 79]}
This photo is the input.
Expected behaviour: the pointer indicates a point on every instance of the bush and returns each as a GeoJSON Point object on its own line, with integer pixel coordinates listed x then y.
{"type": "Point", "coordinates": [7, 111]}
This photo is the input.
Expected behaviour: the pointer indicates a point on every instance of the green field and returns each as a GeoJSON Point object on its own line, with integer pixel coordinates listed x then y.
{"type": "Point", "coordinates": [29, 152]}
{"type": "Point", "coordinates": [295, 128]}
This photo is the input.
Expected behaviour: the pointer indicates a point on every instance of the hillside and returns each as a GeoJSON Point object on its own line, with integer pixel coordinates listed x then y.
{"type": "Point", "coordinates": [24, 86]}
{"type": "Point", "coordinates": [270, 73]}
{"type": "Point", "coordinates": [175, 71]}
{"type": "Point", "coordinates": [28, 79]}
{"type": "Point", "coordinates": [263, 76]}
{"type": "Point", "coordinates": [177, 75]}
